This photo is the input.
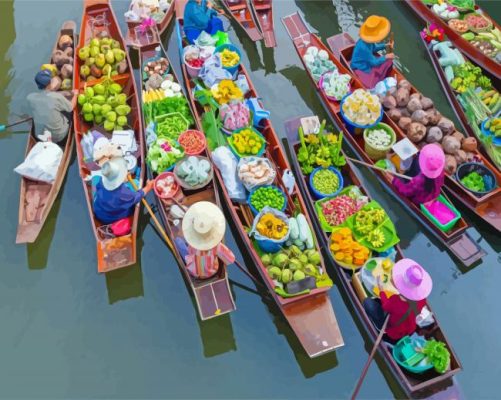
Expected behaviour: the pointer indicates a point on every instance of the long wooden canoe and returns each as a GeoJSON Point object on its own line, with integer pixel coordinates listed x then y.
{"type": "Point", "coordinates": [161, 26]}
{"type": "Point", "coordinates": [470, 129]}
{"type": "Point", "coordinates": [310, 315]}
{"type": "Point", "coordinates": [240, 11]}
{"type": "Point", "coordinates": [37, 198]}
{"type": "Point", "coordinates": [457, 239]}
{"type": "Point", "coordinates": [487, 207]}
{"type": "Point", "coordinates": [411, 383]}
{"type": "Point", "coordinates": [263, 10]}
{"type": "Point", "coordinates": [428, 16]}
{"type": "Point", "coordinates": [213, 296]}
{"type": "Point", "coordinates": [117, 252]}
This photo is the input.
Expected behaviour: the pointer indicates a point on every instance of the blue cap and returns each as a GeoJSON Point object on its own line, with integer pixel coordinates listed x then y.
{"type": "Point", "coordinates": [43, 78]}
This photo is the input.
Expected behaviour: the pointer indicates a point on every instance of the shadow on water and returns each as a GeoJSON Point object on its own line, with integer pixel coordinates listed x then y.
{"type": "Point", "coordinates": [216, 334]}
{"type": "Point", "coordinates": [270, 66]}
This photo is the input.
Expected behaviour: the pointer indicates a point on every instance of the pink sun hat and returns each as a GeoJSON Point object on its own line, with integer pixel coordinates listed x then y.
{"type": "Point", "coordinates": [411, 279]}
{"type": "Point", "coordinates": [431, 160]}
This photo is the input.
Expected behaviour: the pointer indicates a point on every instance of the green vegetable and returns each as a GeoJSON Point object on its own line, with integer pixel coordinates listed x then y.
{"type": "Point", "coordinates": [294, 229]}
{"type": "Point", "coordinates": [266, 259]}
{"type": "Point", "coordinates": [267, 196]}
{"type": "Point", "coordinates": [280, 260]}
{"type": "Point", "coordinates": [167, 105]}
{"type": "Point", "coordinates": [474, 181]}
{"type": "Point", "coordinates": [305, 234]}
{"type": "Point", "coordinates": [467, 76]}
{"type": "Point", "coordinates": [326, 181]}
{"type": "Point", "coordinates": [298, 275]}
{"type": "Point", "coordinates": [162, 154]}
{"type": "Point", "coordinates": [286, 275]}
{"type": "Point", "coordinates": [171, 127]}
{"type": "Point", "coordinates": [438, 355]}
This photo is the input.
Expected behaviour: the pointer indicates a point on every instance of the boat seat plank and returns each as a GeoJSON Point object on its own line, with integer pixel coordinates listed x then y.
{"type": "Point", "coordinates": [214, 299]}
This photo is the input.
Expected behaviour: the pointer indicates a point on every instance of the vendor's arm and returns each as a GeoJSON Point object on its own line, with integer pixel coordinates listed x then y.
{"type": "Point", "coordinates": [63, 104]}
{"type": "Point", "coordinates": [409, 188]}
{"type": "Point", "coordinates": [209, 8]}
{"type": "Point", "coordinates": [379, 46]}
{"type": "Point", "coordinates": [128, 196]}
{"type": "Point", "coordinates": [225, 254]}
{"type": "Point", "coordinates": [199, 16]}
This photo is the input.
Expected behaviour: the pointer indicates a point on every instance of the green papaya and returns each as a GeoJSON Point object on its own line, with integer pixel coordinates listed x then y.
{"type": "Point", "coordinates": [99, 99]}
{"type": "Point", "coordinates": [88, 117]}
{"type": "Point", "coordinates": [123, 110]}
{"type": "Point", "coordinates": [109, 126]}
{"type": "Point", "coordinates": [87, 108]}
{"type": "Point", "coordinates": [99, 88]}
{"type": "Point", "coordinates": [111, 116]}
{"type": "Point", "coordinates": [122, 120]}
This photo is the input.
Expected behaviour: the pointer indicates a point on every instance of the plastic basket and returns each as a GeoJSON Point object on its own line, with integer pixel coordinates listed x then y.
{"type": "Point", "coordinates": [372, 152]}
{"type": "Point", "coordinates": [496, 141]}
{"type": "Point", "coordinates": [200, 135]}
{"type": "Point", "coordinates": [479, 30]}
{"type": "Point", "coordinates": [192, 71]}
{"type": "Point", "coordinates": [232, 70]}
{"type": "Point", "coordinates": [254, 211]}
{"type": "Point", "coordinates": [482, 170]}
{"type": "Point", "coordinates": [443, 227]}
{"type": "Point", "coordinates": [269, 245]}
{"type": "Point", "coordinates": [321, 87]}
{"type": "Point", "coordinates": [239, 155]}
{"type": "Point", "coordinates": [353, 127]}
{"type": "Point", "coordinates": [320, 195]}
{"type": "Point", "coordinates": [404, 355]}
{"type": "Point", "coordinates": [181, 181]}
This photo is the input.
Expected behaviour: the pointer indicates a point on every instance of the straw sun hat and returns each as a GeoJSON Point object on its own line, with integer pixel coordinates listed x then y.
{"type": "Point", "coordinates": [203, 225]}
{"type": "Point", "coordinates": [375, 29]}
{"type": "Point", "coordinates": [114, 173]}
{"type": "Point", "coordinates": [411, 279]}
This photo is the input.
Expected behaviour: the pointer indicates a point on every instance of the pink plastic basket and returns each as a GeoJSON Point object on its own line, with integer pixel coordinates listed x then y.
{"type": "Point", "coordinates": [321, 87]}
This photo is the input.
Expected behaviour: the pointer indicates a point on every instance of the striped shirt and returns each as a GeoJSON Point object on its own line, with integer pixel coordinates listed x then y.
{"type": "Point", "coordinates": [203, 264]}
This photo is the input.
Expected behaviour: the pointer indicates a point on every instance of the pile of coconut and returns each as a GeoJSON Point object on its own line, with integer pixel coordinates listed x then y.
{"type": "Point", "coordinates": [61, 66]}
{"type": "Point", "coordinates": [418, 118]}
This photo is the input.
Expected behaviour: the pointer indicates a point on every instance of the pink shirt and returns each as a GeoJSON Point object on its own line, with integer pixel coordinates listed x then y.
{"type": "Point", "coordinates": [203, 264]}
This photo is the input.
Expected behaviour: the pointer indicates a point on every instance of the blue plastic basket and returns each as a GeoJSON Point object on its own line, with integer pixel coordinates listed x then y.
{"type": "Point", "coordinates": [254, 211]}
{"type": "Point", "coordinates": [351, 126]}
{"type": "Point", "coordinates": [319, 195]}
{"type": "Point", "coordinates": [232, 70]}
{"type": "Point", "coordinates": [401, 352]}
{"type": "Point", "coordinates": [496, 141]}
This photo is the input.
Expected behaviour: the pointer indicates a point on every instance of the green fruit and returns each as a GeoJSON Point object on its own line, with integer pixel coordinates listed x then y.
{"type": "Point", "coordinates": [98, 119]}
{"type": "Point", "coordinates": [99, 99]}
{"type": "Point", "coordinates": [298, 275]}
{"type": "Point", "coordinates": [87, 108]}
{"type": "Point", "coordinates": [303, 258]}
{"type": "Point", "coordinates": [99, 89]}
{"type": "Point", "coordinates": [109, 126]}
{"type": "Point", "coordinates": [114, 73]}
{"type": "Point", "coordinates": [286, 276]}
{"type": "Point", "coordinates": [106, 41]}
{"type": "Point", "coordinates": [105, 48]}
{"type": "Point", "coordinates": [81, 99]}
{"type": "Point", "coordinates": [314, 258]}
{"type": "Point", "coordinates": [112, 101]}
{"type": "Point", "coordinates": [100, 60]}
{"type": "Point", "coordinates": [123, 109]}
{"type": "Point", "coordinates": [266, 259]}
{"type": "Point", "coordinates": [110, 57]}
{"type": "Point", "coordinates": [280, 260]}
{"type": "Point", "coordinates": [84, 71]}
{"type": "Point", "coordinates": [96, 109]}
{"type": "Point", "coordinates": [94, 51]}
{"type": "Point", "coordinates": [310, 270]}
{"type": "Point", "coordinates": [119, 55]}
{"type": "Point", "coordinates": [295, 264]}
{"type": "Point", "coordinates": [115, 44]}
{"type": "Point", "coordinates": [89, 117]}
{"type": "Point", "coordinates": [275, 272]}
{"type": "Point", "coordinates": [107, 69]}
{"type": "Point", "coordinates": [122, 120]}
{"type": "Point", "coordinates": [89, 92]}
{"type": "Point", "coordinates": [115, 88]}
{"type": "Point", "coordinates": [94, 42]}
{"type": "Point", "coordinates": [121, 99]}
{"type": "Point", "coordinates": [84, 53]}
{"type": "Point", "coordinates": [111, 116]}
{"type": "Point", "coordinates": [105, 109]}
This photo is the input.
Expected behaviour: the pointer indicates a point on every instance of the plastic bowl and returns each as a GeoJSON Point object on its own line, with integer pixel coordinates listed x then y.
{"type": "Point", "coordinates": [163, 195]}
{"type": "Point", "coordinates": [352, 126]}
{"type": "Point", "coordinates": [254, 211]}
{"type": "Point", "coordinates": [403, 352]}
{"type": "Point", "coordinates": [467, 168]}
{"type": "Point", "coordinates": [235, 151]}
{"type": "Point", "coordinates": [186, 186]}
{"type": "Point", "coordinates": [321, 87]}
{"type": "Point", "coordinates": [320, 195]}
{"type": "Point", "coordinates": [229, 46]}
{"type": "Point", "coordinates": [193, 132]}
{"type": "Point", "coordinates": [496, 141]}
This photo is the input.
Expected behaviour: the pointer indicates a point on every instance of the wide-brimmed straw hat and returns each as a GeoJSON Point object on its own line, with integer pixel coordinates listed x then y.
{"type": "Point", "coordinates": [104, 151]}
{"type": "Point", "coordinates": [114, 173]}
{"type": "Point", "coordinates": [204, 225]}
{"type": "Point", "coordinates": [375, 29]}
{"type": "Point", "coordinates": [411, 279]}
{"type": "Point", "coordinates": [431, 160]}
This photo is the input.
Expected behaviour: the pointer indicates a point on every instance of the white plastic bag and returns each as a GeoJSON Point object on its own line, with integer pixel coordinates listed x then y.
{"type": "Point", "coordinates": [387, 85]}
{"type": "Point", "coordinates": [42, 162]}
{"type": "Point", "coordinates": [226, 162]}
{"type": "Point", "coordinates": [425, 318]}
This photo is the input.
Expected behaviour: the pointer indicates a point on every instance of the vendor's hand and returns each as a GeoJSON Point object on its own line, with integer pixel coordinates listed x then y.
{"type": "Point", "coordinates": [149, 185]}
{"type": "Point", "coordinates": [210, 5]}
{"type": "Point", "coordinates": [221, 12]}
{"type": "Point", "coordinates": [390, 56]}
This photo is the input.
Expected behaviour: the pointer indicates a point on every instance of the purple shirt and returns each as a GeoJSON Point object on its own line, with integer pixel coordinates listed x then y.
{"type": "Point", "coordinates": [113, 205]}
{"type": "Point", "coordinates": [415, 191]}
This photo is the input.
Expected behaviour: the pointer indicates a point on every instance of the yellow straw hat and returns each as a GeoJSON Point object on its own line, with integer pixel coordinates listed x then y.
{"type": "Point", "coordinates": [375, 29]}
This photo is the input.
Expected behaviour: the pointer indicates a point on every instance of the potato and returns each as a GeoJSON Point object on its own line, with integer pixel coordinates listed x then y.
{"type": "Point", "coordinates": [460, 157]}
{"type": "Point", "coordinates": [65, 41]}
{"type": "Point", "coordinates": [458, 135]}
{"type": "Point", "coordinates": [416, 132]}
{"type": "Point", "coordinates": [404, 123]}
{"type": "Point", "coordinates": [433, 116]}
{"type": "Point", "coordinates": [416, 95]}
{"type": "Point", "coordinates": [446, 126]}
{"type": "Point", "coordinates": [426, 103]}
{"type": "Point", "coordinates": [389, 102]}
{"type": "Point", "coordinates": [404, 84]}
{"type": "Point", "coordinates": [470, 156]}
{"type": "Point", "coordinates": [55, 84]}
{"type": "Point", "coordinates": [420, 116]}
{"type": "Point", "coordinates": [413, 105]}
{"type": "Point", "coordinates": [395, 114]}
{"type": "Point", "coordinates": [451, 145]}
{"type": "Point", "coordinates": [450, 164]}
{"type": "Point", "coordinates": [402, 97]}
{"type": "Point", "coordinates": [434, 135]}
{"type": "Point", "coordinates": [469, 144]}
{"type": "Point", "coordinates": [67, 71]}
{"type": "Point", "coordinates": [404, 112]}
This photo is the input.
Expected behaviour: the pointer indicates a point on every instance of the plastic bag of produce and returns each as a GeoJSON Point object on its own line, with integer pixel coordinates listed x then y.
{"type": "Point", "coordinates": [266, 243]}
{"type": "Point", "coordinates": [42, 162]}
{"type": "Point", "coordinates": [384, 86]}
{"type": "Point", "coordinates": [255, 171]}
{"type": "Point", "coordinates": [226, 163]}
{"type": "Point", "coordinates": [212, 71]}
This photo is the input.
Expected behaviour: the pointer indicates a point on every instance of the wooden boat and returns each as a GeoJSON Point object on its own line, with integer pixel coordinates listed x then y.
{"type": "Point", "coordinates": [471, 129]}
{"type": "Point", "coordinates": [487, 207]}
{"type": "Point", "coordinates": [37, 198]}
{"type": "Point", "coordinates": [457, 239]}
{"type": "Point", "coordinates": [428, 16]}
{"type": "Point", "coordinates": [132, 26]}
{"type": "Point", "coordinates": [213, 296]}
{"type": "Point", "coordinates": [263, 10]}
{"type": "Point", "coordinates": [112, 252]}
{"type": "Point", "coordinates": [310, 315]}
{"type": "Point", "coordinates": [241, 13]}
{"type": "Point", "coordinates": [350, 281]}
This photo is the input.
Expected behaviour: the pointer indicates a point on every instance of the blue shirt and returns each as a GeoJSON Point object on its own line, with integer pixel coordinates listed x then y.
{"type": "Point", "coordinates": [364, 57]}
{"type": "Point", "coordinates": [197, 16]}
{"type": "Point", "coordinates": [113, 205]}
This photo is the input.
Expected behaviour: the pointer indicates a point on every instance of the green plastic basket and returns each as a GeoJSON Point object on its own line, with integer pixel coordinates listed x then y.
{"type": "Point", "coordinates": [436, 222]}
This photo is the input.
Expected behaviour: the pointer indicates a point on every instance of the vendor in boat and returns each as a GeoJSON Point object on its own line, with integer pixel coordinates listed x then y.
{"type": "Point", "coordinates": [369, 66]}
{"type": "Point", "coordinates": [51, 111]}
{"type": "Point", "coordinates": [199, 15]}
{"type": "Point", "coordinates": [414, 285]}
{"type": "Point", "coordinates": [114, 199]}
{"type": "Point", "coordinates": [427, 184]}
{"type": "Point", "coordinates": [203, 229]}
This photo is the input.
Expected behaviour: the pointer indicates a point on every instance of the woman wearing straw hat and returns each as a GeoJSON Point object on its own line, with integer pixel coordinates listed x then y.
{"type": "Point", "coordinates": [114, 199]}
{"type": "Point", "coordinates": [427, 184]}
{"type": "Point", "coordinates": [414, 285]}
{"type": "Point", "coordinates": [369, 66]}
{"type": "Point", "coordinates": [203, 229]}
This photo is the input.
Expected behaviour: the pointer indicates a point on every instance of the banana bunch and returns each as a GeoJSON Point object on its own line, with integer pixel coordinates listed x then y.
{"type": "Point", "coordinates": [492, 99]}
{"type": "Point", "coordinates": [153, 95]}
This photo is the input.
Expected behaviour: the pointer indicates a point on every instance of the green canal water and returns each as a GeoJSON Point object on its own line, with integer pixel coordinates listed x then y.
{"type": "Point", "coordinates": [68, 332]}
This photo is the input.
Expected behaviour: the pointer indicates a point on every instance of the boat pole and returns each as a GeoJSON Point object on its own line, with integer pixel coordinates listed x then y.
{"type": "Point", "coordinates": [4, 127]}
{"type": "Point", "coordinates": [244, 270]}
{"type": "Point", "coordinates": [369, 360]}
{"type": "Point", "coordinates": [379, 168]}
{"type": "Point", "coordinates": [153, 217]}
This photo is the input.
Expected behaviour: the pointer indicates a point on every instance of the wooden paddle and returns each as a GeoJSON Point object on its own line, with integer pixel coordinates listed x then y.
{"type": "Point", "coordinates": [379, 168]}
{"type": "Point", "coordinates": [4, 127]}
{"type": "Point", "coordinates": [371, 356]}
{"type": "Point", "coordinates": [153, 217]}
